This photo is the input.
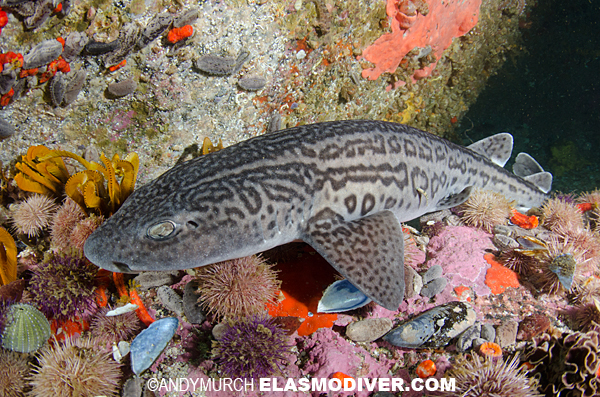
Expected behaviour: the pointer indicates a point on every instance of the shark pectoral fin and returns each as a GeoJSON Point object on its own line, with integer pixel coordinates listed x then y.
{"type": "Point", "coordinates": [497, 148]}
{"type": "Point", "coordinates": [453, 200]}
{"type": "Point", "coordinates": [369, 252]}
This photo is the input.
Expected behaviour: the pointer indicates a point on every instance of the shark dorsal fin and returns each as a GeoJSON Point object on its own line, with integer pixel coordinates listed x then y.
{"type": "Point", "coordinates": [526, 165]}
{"type": "Point", "coordinates": [497, 148]}
{"type": "Point", "coordinates": [542, 180]}
{"type": "Point", "coordinates": [527, 168]}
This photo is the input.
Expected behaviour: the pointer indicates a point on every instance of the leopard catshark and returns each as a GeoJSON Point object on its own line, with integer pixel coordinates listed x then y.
{"type": "Point", "coordinates": [343, 187]}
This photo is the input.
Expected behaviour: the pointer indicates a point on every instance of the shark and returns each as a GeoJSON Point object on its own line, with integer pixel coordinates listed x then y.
{"type": "Point", "coordinates": [343, 187]}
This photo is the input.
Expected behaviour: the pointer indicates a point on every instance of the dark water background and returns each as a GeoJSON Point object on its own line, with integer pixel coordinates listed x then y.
{"type": "Point", "coordinates": [548, 94]}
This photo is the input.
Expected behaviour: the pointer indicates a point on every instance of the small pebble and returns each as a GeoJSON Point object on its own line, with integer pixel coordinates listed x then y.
{"type": "Point", "coordinates": [155, 27]}
{"type": "Point", "coordinates": [432, 273]}
{"type": "Point", "coordinates": [504, 243]}
{"type": "Point", "coordinates": [191, 307]}
{"type": "Point", "coordinates": [477, 342]}
{"type": "Point", "coordinates": [74, 86]}
{"type": "Point", "coordinates": [503, 230]}
{"type": "Point", "coordinates": [434, 287]}
{"type": "Point", "coordinates": [368, 330]}
{"type": "Point", "coordinates": [274, 123]}
{"type": "Point", "coordinates": [99, 48]}
{"type": "Point", "coordinates": [218, 330]}
{"type": "Point", "coordinates": [506, 333]}
{"type": "Point", "coordinates": [6, 130]}
{"type": "Point", "coordinates": [57, 89]}
{"type": "Point", "coordinates": [147, 346]}
{"type": "Point", "coordinates": [42, 54]}
{"type": "Point", "coordinates": [465, 340]}
{"type": "Point", "coordinates": [532, 325]}
{"type": "Point", "coordinates": [216, 65]}
{"type": "Point", "coordinates": [488, 332]}
{"type": "Point", "coordinates": [413, 282]}
{"type": "Point", "coordinates": [147, 280]}
{"type": "Point", "coordinates": [252, 83]}
{"type": "Point", "coordinates": [122, 88]}
{"type": "Point", "coordinates": [132, 388]}
{"type": "Point", "coordinates": [128, 38]}
{"type": "Point", "coordinates": [300, 54]}
{"type": "Point", "coordinates": [7, 81]}
{"type": "Point", "coordinates": [74, 44]}
{"type": "Point", "coordinates": [170, 299]}
{"type": "Point", "coordinates": [187, 18]}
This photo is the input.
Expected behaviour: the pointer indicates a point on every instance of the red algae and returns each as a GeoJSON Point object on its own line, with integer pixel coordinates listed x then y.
{"type": "Point", "coordinates": [302, 284]}
{"type": "Point", "coordinates": [498, 277]}
{"type": "Point", "coordinates": [445, 20]}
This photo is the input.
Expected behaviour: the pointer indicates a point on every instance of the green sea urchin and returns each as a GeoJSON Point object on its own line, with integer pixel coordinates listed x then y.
{"type": "Point", "coordinates": [32, 215]}
{"type": "Point", "coordinates": [561, 217]}
{"type": "Point", "coordinates": [485, 209]}
{"type": "Point", "coordinates": [26, 329]}
{"type": "Point", "coordinates": [73, 368]}
{"type": "Point", "coordinates": [239, 287]}
{"type": "Point", "coordinates": [63, 287]}
{"type": "Point", "coordinates": [251, 348]}
{"type": "Point", "coordinates": [13, 371]}
{"type": "Point", "coordinates": [477, 376]}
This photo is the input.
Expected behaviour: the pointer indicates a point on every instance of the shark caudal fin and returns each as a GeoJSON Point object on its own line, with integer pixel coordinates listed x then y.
{"type": "Point", "coordinates": [527, 168]}
{"type": "Point", "coordinates": [369, 252]}
{"type": "Point", "coordinates": [497, 148]}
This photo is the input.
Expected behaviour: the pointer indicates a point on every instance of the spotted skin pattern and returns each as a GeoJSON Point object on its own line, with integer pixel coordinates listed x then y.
{"type": "Point", "coordinates": [294, 184]}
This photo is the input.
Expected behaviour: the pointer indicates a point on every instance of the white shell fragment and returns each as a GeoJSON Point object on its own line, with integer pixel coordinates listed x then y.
{"type": "Point", "coordinates": [341, 296]}
{"type": "Point", "coordinates": [130, 307]}
{"type": "Point", "coordinates": [147, 346]}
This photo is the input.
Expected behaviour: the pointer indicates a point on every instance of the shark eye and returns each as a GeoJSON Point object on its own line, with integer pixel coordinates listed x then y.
{"type": "Point", "coordinates": [161, 230]}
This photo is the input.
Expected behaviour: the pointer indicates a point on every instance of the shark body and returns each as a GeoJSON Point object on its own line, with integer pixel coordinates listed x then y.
{"type": "Point", "coordinates": [342, 187]}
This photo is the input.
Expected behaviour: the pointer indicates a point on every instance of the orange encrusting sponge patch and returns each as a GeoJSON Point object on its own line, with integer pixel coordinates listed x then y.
{"type": "Point", "coordinates": [302, 283]}
{"type": "Point", "coordinates": [498, 277]}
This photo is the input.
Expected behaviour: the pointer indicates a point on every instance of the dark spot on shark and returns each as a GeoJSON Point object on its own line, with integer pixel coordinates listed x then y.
{"type": "Point", "coordinates": [350, 203]}
{"type": "Point", "coordinates": [368, 204]}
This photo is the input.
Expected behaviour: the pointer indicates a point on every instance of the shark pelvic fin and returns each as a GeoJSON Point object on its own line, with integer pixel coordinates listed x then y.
{"type": "Point", "coordinates": [527, 168]}
{"type": "Point", "coordinates": [453, 200]}
{"type": "Point", "coordinates": [369, 252]}
{"type": "Point", "coordinates": [497, 148]}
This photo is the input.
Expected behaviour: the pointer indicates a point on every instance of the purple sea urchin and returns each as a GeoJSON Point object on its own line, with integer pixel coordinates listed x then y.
{"type": "Point", "coordinates": [75, 367]}
{"type": "Point", "coordinates": [251, 348]}
{"type": "Point", "coordinates": [485, 209]}
{"type": "Point", "coordinates": [477, 376]}
{"type": "Point", "coordinates": [63, 287]}
{"type": "Point", "coordinates": [586, 317]}
{"type": "Point", "coordinates": [239, 287]}
{"type": "Point", "coordinates": [113, 329]}
{"type": "Point", "coordinates": [32, 215]}
{"type": "Point", "coordinates": [13, 370]}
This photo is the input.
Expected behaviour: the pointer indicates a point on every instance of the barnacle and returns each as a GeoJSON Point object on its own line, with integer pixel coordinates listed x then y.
{"type": "Point", "coordinates": [43, 171]}
{"type": "Point", "coordinates": [8, 257]}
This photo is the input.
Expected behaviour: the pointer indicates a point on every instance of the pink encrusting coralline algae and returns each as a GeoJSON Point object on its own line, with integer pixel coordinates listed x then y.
{"type": "Point", "coordinates": [410, 29]}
